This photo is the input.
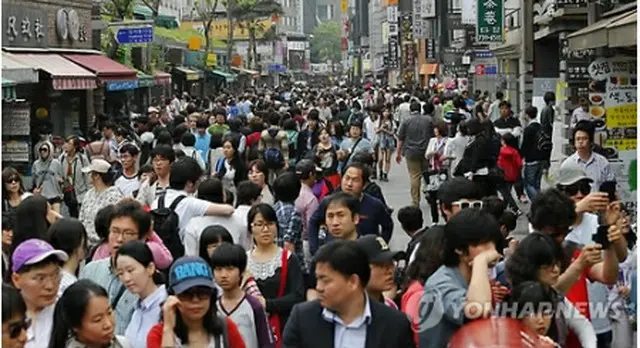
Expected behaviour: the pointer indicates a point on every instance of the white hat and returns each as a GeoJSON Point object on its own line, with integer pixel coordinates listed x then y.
{"type": "Point", "coordinates": [152, 110]}
{"type": "Point", "coordinates": [98, 166]}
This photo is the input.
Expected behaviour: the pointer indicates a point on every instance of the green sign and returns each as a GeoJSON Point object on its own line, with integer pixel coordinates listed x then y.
{"type": "Point", "coordinates": [490, 21]}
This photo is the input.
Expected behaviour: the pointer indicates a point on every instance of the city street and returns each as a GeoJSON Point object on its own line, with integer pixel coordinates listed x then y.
{"type": "Point", "coordinates": [396, 192]}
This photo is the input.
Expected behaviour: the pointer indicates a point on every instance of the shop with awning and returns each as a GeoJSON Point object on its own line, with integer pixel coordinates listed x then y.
{"type": "Point", "coordinates": [619, 30]}
{"type": "Point", "coordinates": [17, 72]}
{"type": "Point", "coordinates": [221, 79]}
{"type": "Point", "coordinates": [118, 81]}
{"type": "Point", "coordinates": [187, 80]}
{"type": "Point", "coordinates": [429, 69]}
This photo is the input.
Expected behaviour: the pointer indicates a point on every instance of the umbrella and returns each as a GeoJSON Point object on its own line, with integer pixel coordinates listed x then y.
{"type": "Point", "coordinates": [497, 333]}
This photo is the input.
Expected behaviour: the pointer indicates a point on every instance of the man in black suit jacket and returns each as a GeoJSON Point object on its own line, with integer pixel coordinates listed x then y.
{"type": "Point", "coordinates": [344, 314]}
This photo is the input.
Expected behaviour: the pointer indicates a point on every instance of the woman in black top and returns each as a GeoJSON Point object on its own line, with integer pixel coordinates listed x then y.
{"type": "Point", "coordinates": [479, 158]}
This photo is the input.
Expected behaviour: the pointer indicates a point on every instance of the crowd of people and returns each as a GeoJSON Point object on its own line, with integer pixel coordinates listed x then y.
{"type": "Point", "coordinates": [257, 221]}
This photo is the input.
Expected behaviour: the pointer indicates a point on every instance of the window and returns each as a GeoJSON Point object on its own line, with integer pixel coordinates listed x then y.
{"type": "Point", "coordinates": [455, 6]}
{"type": "Point", "coordinates": [322, 12]}
{"type": "Point", "coordinates": [330, 13]}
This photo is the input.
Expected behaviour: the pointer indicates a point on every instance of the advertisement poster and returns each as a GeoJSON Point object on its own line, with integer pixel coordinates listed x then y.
{"type": "Point", "coordinates": [613, 98]}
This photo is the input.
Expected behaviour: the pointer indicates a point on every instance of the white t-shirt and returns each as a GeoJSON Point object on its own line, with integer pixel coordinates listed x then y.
{"type": "Point", "coordinates": [39, 333]}
{"type": "Point", "coordinates": [127, 185]}
{"type": "Point", "coordinates": [189, 208]}
{"type": "Point", "coordinates": [195, 227]}
{"type": "Point", "coordinates": [370, 129]}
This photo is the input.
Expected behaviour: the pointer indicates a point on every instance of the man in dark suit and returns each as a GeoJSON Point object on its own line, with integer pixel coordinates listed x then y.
{"type": "Point", "coordinates": [344, 315]}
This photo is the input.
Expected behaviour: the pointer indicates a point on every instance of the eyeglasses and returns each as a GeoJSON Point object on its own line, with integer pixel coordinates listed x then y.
{"type": "Point", "coordinates": [124, 234]}
{"type": "Point", "coordinates": [582, 186]}
{"type": "Point", "coordinates": [15, 329]}
{"type": "Point", "coordinates": [44, 149]}
{"type": "Point", "coordinates": [196, 294]}
{"type": "Point", "coordinates": [262, 225]}
{"type": "Point", "coordinates": [467, 204]}
{"type": "Point", "coordinates": [43, 278]}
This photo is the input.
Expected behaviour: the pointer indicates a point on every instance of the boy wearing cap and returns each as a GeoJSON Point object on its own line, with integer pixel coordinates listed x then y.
{"type": "Point", "coordinates": [382, 263]}
{"type": "Point", "coordinates": [36, 273]}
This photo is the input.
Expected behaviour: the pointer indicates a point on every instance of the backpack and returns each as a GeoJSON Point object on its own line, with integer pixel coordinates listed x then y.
{"type": "Point", "coordinates": [543, 141]}
{"type": "Point", "coordinates": [166, 225]}
{"type": "Point", "coordinates": [272, 155]}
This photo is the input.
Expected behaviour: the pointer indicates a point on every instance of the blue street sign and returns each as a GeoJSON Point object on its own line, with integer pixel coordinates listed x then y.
{"type": "Point", "coordinates": [134, 35]}
{"type": "Point", "coordinates": [491, 70]}
{"type": "Point", "coordinates": [276, 68]}
{"type": "Point", "coordinates": [121, 85]}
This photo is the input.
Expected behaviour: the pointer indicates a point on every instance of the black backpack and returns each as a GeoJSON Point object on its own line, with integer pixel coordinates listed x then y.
{"type": "Point", "coordinates": [543, 141]}
{"type": "Point", "coordinates": [166, 225]}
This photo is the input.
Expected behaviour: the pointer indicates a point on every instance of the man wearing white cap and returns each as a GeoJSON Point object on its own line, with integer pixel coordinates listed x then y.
{"type": "Point", "coordinates": [35, 271]}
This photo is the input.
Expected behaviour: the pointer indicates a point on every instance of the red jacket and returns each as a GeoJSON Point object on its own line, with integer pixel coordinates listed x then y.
{"type": "Point", "coordinates": [511, 162]}
{"type": "Point", "coordinates": [154, 338]}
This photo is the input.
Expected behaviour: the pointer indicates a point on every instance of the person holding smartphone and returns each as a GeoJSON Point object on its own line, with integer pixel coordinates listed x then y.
{"type": "Point", "coordinates": [189, 315]}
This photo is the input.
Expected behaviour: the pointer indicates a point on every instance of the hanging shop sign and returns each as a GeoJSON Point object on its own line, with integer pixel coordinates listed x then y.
{"type": "Point", "coordinates": [69, 26]}
{"type": "Point", "coordinates": [393, 52]}
{"type": "Point", "coordinates": [406, 28]}
{"type": "Point", "coordinates": [16, 120]}
{"type": "Point", "coordinates": [490, 21]}
{"type": "Point", "coordinates": [428, 9]}
{"type": "Point", "coordinates": [24, 27]}
{"type": "Point", "coordinates": [602, 68]}
{"type": "Point", "coordinates": [113, 86]}
{"type": "Point", "coordinates": [418, 26]}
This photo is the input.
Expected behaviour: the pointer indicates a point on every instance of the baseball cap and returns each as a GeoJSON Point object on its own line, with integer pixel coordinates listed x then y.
{"type": "Point", "coordinates": [305, 167]}
{"type": "Point", "coordinates": [98, 166]}
{"type": "Point", "coordinates": [32, 251]}
{"type": "Point", "coordinates": [571, 174]}
{"type": "Point", "coordinates": [152, 110]}
{"type": "Point", "coordinates": [188, 272]}
{"type": "Point", "coordinates": [377, 249]}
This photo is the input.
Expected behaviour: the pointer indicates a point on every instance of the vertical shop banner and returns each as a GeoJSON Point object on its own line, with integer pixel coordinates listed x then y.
{"type": "Point", "coordinates": [490, 21]}
{"type": "Point", "coordinates": [469, 13]}
{"type": "Point", "coordinates": [393, 52]}
{"type": "Point", "coordinates": [418, 27]}
{"type": "Point", "coordinates": [393, 37]}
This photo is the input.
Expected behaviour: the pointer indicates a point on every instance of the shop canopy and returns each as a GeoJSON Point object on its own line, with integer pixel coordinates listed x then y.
{"type": "Point", "coordinates": [227, 76]}
{"type": "Point", "coordinates": [429, 69]}
{"type": "Point", "coordinates": [65, 75]}
{"type": "Point", "coordinates": [144, 80]}
{"type": "Point", "coordinates": [161, 78]}
{"type": "Point", "coordinates": [8, 89]}
{"type": "Point", "coordinates": [245, 71]}
{"type": "Point", "coordinates": [616, 31]}
{"type": "Point", "coordinates": [189, 74]}
{"type": "Point", "coordinates": [114, 75]}
{"type": "Point", "coordinates": [16, 71]}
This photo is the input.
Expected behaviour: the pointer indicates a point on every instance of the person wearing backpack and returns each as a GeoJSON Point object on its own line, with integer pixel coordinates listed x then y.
{"type": "Point", "coordinates": [188, 142]}
{"type": "Point", "coordinates": [273, 147]}
{"type": "Point", "coordinates": [535, 151]}
{"type": "Point", "coordinates": [173, 209]}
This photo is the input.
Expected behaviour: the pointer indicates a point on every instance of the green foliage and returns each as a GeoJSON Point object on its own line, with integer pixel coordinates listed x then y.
{"type": "Point", "coordinates": [120, 9]}
{"type": "Point", "coordinates": [326, 43]}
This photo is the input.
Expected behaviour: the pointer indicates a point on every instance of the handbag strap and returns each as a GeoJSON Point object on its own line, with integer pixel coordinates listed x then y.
{"type": "Point", "coordinates": [283, 272]}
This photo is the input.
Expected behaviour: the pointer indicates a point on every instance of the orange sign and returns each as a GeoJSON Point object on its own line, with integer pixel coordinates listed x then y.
{"type": "Point", "coordinates": [393, 2]}
{"type": "Point", "coordinates": [236, 61]}
{"type": "Point", "coordinates": [195, 42]}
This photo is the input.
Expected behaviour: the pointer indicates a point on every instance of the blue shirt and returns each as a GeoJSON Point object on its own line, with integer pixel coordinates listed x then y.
{"type": "Point", "coordinates": [202, 145]}
{"type": "Point", "coordinates": [352, 335]}
{"type": "Point", "coordinates": [146, 314]}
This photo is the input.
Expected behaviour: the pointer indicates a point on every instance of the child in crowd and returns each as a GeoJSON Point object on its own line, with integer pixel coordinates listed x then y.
{"type": "Point", "coordinates": [511, 163]}
{"type": "Point", "coordinates": [229, 262]}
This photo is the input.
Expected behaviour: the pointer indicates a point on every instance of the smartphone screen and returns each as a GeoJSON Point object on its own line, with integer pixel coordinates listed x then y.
{"type": "Point", "coordinates": [601, 236]}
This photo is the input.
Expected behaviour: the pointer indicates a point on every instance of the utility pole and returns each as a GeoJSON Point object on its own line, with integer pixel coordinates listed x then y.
{"type": "Point", "coordinates": [230, 6]}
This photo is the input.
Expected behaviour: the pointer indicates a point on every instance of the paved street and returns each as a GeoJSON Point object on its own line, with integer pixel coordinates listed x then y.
{"type": "Point", "coordinates": [396, 192]}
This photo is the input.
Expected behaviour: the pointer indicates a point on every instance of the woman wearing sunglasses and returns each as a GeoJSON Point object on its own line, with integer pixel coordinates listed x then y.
{"type": "Point", "coordinates": [189, 315]}
{"type": "Point", "coordinates": [14, 318]}
{"type": "Point", "coordinates": [13, 192]}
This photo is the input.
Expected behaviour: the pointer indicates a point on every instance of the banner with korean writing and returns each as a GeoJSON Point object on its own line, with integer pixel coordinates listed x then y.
{"type": "Point", "coordinates": [620, 102]}
{"type": "Point", "coordinates": [490, 21]}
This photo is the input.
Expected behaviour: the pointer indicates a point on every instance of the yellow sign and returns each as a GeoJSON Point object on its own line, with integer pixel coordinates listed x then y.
{"type": "Point", "coordinates": [212, 59]}
{"type": "Point", "coordinates": [622, 144]}
{"type": "Point", "coordinates": [344, 6]}
{"type": "Point", "coordinates": [195, 42]}
{"type": "Point", "coordinates": [622, 116]}
{"type": "Point", "coordinates": [560, 88]}
{"type": "Point", "coordinates": [220, 29]}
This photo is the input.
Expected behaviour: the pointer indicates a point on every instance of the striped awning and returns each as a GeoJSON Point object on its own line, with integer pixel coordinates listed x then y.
{"type": "Point", "coordinates": [161, 78]}
{"type": "Point", "coordinates": [65, 75]}
{"type": "Point", "coordinates": [18, 72]}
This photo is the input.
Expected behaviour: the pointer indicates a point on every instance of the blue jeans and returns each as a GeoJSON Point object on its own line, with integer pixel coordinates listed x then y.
{"type": "Point", "coordinates": [532, 178]}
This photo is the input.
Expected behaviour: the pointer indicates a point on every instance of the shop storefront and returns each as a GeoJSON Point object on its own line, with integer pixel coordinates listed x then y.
{"type": "Point", "coordinates": [612, 93]}
{"type": "Point", "coordinates": [187, 80]}
{"type": "Point", "coordinates": [118, 82]}
{"type": "Point", "coordinates": [162, 86]}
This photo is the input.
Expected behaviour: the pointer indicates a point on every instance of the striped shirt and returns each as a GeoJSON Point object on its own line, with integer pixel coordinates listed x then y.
{"type": "Point", "coordinates": [290, 228]}
{"type": "Point", "coordinates": [596, 167]}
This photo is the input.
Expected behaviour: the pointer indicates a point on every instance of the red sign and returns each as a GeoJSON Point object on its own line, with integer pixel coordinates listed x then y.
{"type": "Point", "coordinates": [480, 69]}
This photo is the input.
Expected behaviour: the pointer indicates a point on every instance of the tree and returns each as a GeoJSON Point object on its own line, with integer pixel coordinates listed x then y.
{"type": "Point", "coordinates": [117, 10]}
{"type": "Point", "coordinates": [207, 13]}
{"type": "Point", "coordinates": [326, 43]}
{"type": "Point", "coordinates": [250, 13]}
{"type": "Point", "coordinates": [154, 6]}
